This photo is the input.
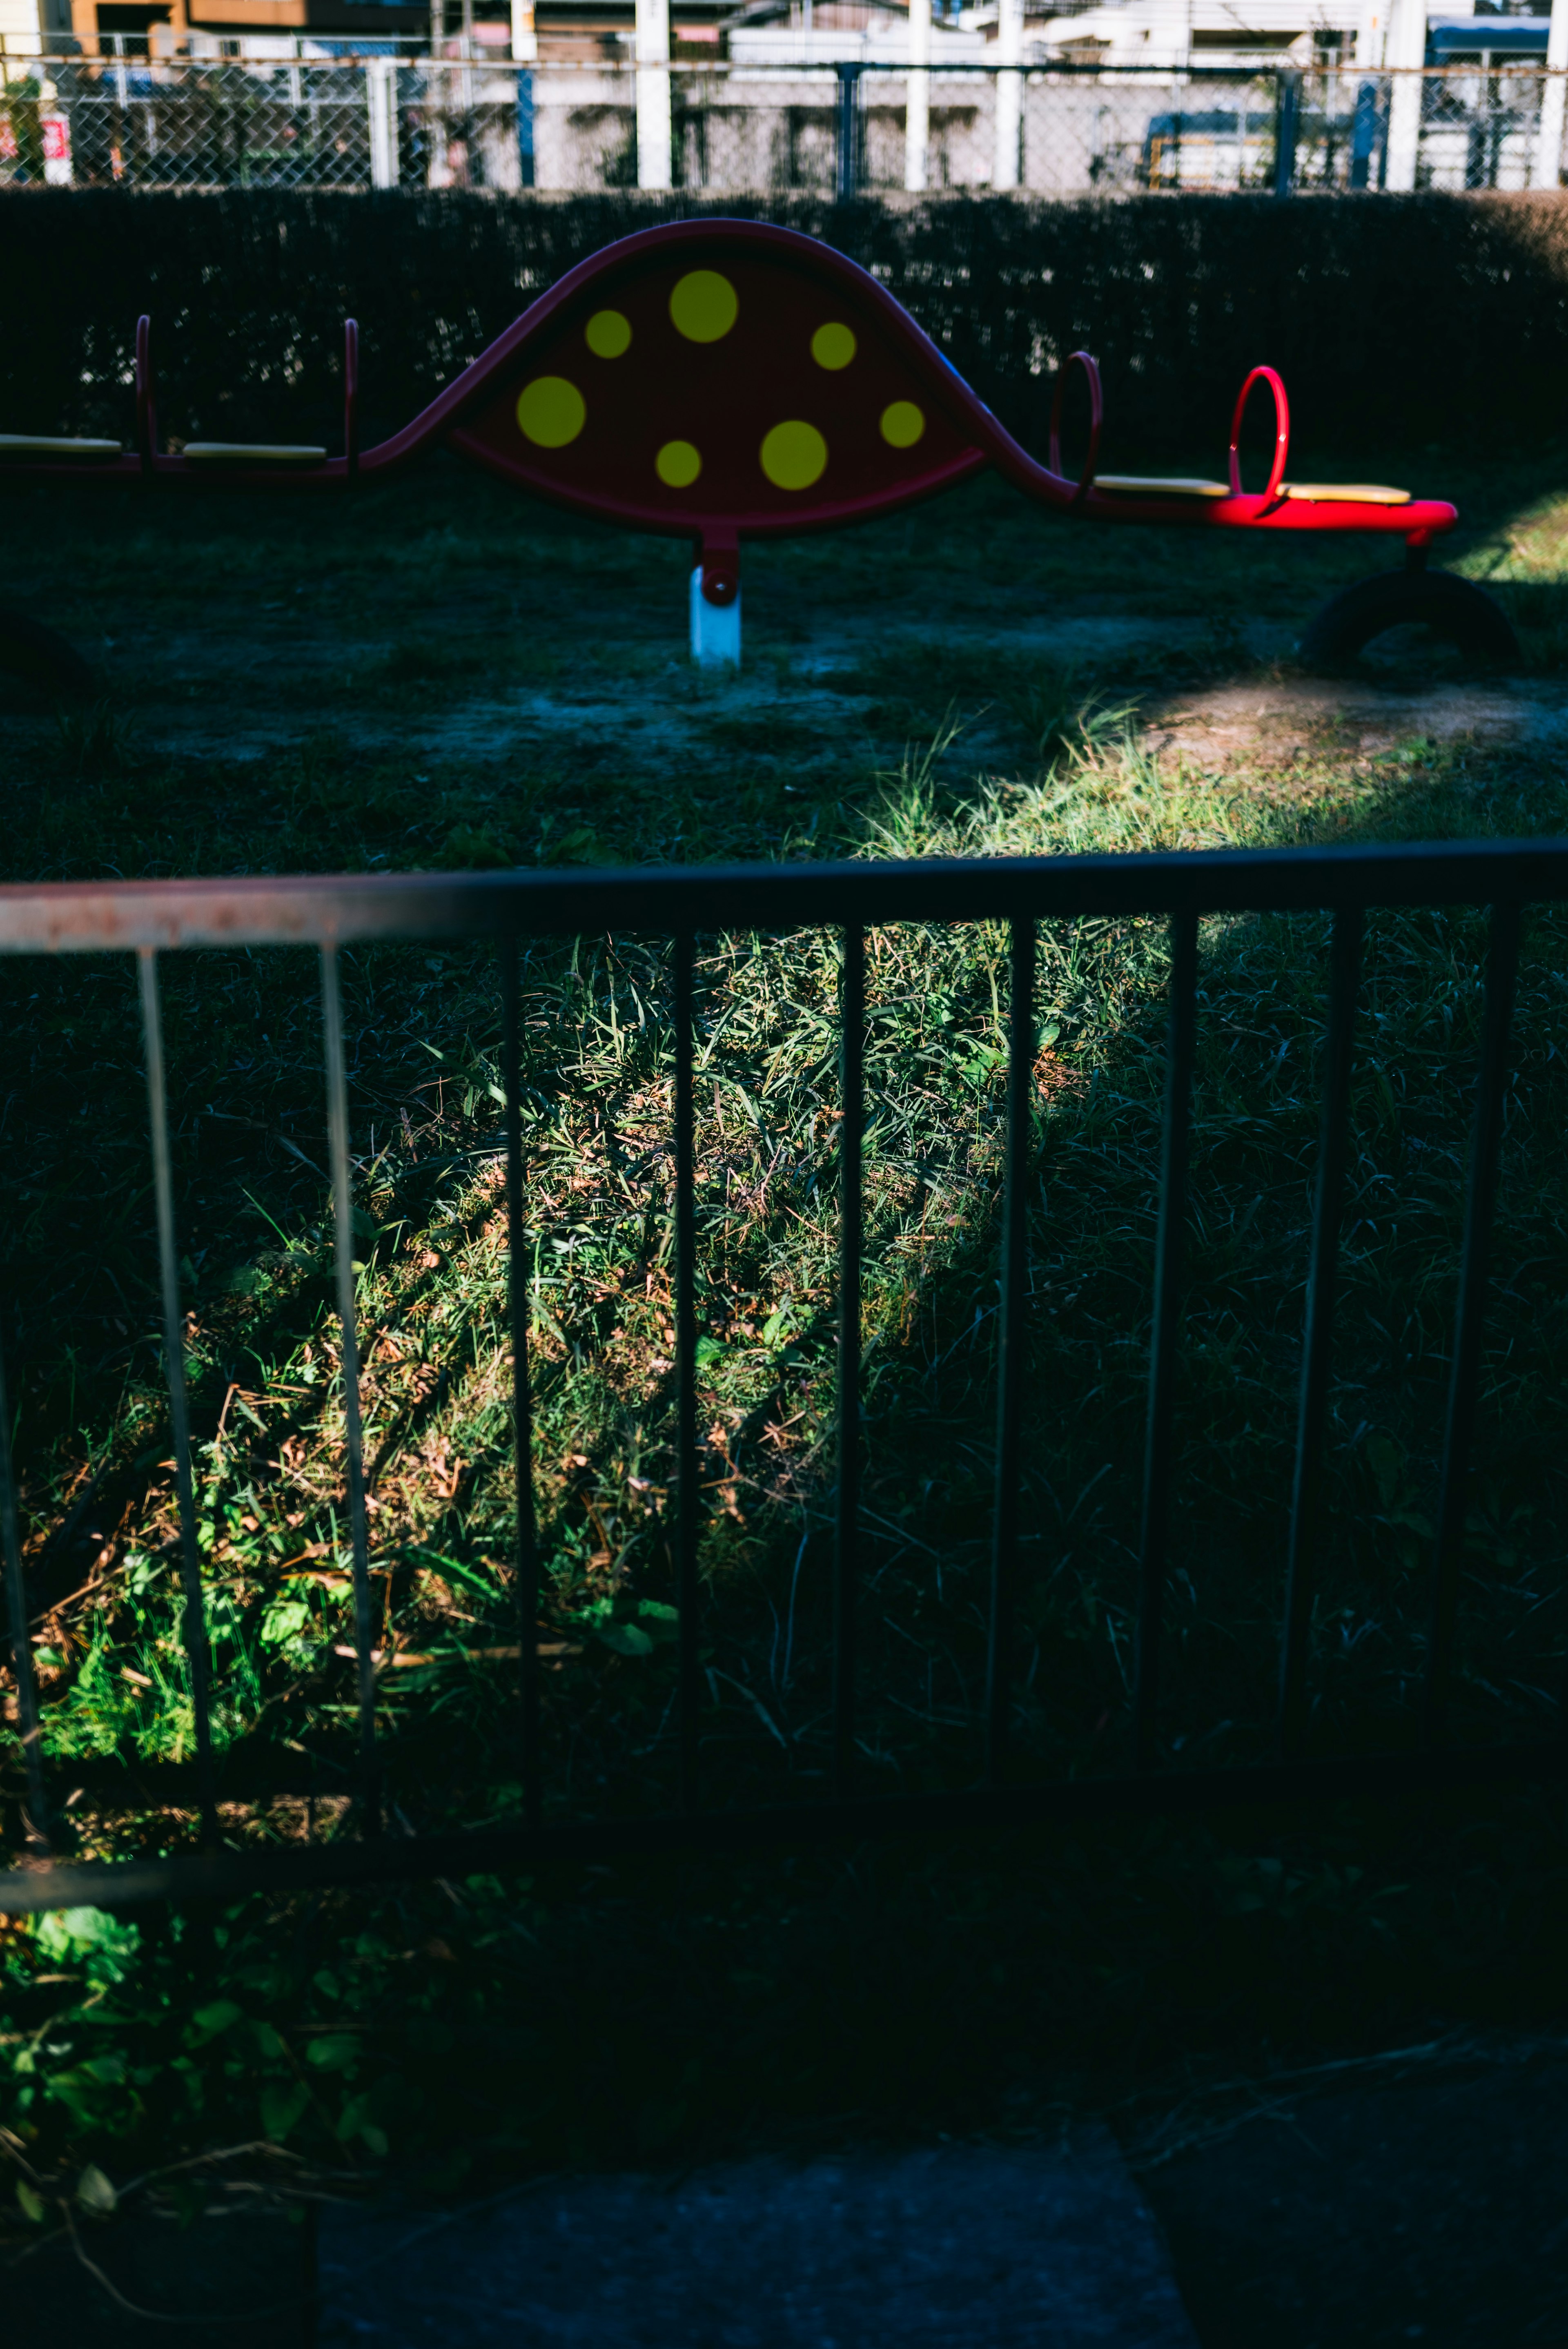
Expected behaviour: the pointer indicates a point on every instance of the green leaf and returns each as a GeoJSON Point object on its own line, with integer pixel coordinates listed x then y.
{"type": "Point", "coordinates": [32, 2202]}
{"type": "Point", "coordinates": [338, 2051]}
{"type": "Point", "coordinates": [283, 2103]}
{"type": "Point", "coordinates": [222, 2015]}
{"type": "Point", "coordinates": [709, 1350]}
{"type": "Point", "coordinates": [96, 2192]}
{"type": "Point", "coordinates": [627, 1639]}
{"type": "Point", "coordinates": [352, 2118]}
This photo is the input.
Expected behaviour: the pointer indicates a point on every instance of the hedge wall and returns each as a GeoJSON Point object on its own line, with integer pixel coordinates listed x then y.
{"type": "Point", "coordinates": [1394, 319]}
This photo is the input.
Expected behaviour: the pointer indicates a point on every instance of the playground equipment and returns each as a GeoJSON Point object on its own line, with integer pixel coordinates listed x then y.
{"type": "Point", "coordinates": [723, 380]}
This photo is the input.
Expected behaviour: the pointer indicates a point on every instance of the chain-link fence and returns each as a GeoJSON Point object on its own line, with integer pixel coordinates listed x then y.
{"type": "Point", "coordinates": [764, 128]}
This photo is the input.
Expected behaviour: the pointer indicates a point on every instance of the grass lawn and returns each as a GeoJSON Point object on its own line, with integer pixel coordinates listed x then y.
{"type": "Point", "coordinates": [445, 677]}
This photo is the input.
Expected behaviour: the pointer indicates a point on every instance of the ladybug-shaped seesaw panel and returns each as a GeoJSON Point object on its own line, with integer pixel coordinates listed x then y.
{"type": "Point", "coordinates": [723, 381]}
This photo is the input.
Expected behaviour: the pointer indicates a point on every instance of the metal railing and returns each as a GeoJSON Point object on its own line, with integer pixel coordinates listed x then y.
{"type": "Point", "coordinates": [769, 127]}
{"type": "Point", "coordinates": [148, 920]}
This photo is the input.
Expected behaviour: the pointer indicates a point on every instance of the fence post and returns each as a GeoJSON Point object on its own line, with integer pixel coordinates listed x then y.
{"type": "Point", "coordinates": [381, 106]}
{"type": "Point", "coordinates": [917, 98]}
{"type": "Point", "coordinates": [654, 94]}
{"type": "Point", "coordinates": [1009, 89]}
{"type": "Point", "coordinates": [847, 182]}
{"type": "Point", "coordinates": [1407, 53]}
{"type": "Point", "coordinates": [1548, 167]}
{"type": "Point", "coordinates": [1287, 120]}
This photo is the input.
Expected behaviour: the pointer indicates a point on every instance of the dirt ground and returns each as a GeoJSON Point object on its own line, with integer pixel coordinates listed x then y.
{"type": "Point", "coordinates": [450, 624]}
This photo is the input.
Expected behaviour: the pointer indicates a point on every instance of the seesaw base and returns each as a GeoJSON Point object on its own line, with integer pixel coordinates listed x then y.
{"type": "Point", "coordinates": [714, 628]}
{"type": "Point", "coordinates": [1450, 606]}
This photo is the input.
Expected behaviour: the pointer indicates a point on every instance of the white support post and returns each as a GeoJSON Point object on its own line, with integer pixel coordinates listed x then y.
{"type": "Point", "coordinates": [1406, 54]}
{"type": "Point", "coordinates": [714, 628]}
{"type": "Point", "coordinates": [1548, 170]}
{"type": "Point", "coordinates": [1009, 93]}
{"type": "Point", "coordinates": [524, 38]}
{"type": "Point", "coordinates": [654, 94]}
{"type": "Point", "coordinates": [381, 106]}
{"type": "Point", "coordinates": [917, 98]}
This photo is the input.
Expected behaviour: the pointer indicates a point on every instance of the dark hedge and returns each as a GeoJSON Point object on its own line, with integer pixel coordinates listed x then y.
{"type": "Point", "coordinates": [1424, 319]}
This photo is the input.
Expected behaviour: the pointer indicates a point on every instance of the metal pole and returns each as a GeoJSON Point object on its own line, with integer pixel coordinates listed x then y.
{"type": "Point", "coordinates": [1009, 88]}
{"type": "Point", "coordinates": [653, 140]}
{"type": "Point", "coordinates": [1548, 162]}
{"type": "Point", "coordinates": [1288, 119]}
{"type": "Point", "coordinates": [917, 98]}
{"type": "Point", "coordinates": [1407, 52]}
{"type": "Point", "coordinates": [849, 173]}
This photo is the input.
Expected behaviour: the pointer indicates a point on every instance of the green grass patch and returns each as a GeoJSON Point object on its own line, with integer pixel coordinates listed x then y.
{"type": "Point", "coordinates": [1041, 1958]}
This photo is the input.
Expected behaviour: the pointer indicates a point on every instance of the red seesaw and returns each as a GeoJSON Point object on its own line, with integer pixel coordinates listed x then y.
{"type": "Point", "coordinates": [721, 380]}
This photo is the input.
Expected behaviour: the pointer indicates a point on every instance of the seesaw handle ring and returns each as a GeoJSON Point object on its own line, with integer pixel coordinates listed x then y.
{"type": "Point", "coordinates": [1095, 418]}
{"type": "Point", "coordinates": [1282, 432]}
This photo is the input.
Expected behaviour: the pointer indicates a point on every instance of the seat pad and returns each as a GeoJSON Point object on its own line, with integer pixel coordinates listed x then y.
{"type": "Point", "coordinates": [243, 452]}
{"type": "Point", "coordinates": [1348, 493]}
{"type": "Point", "coordinates": [1159, 485]}
{"type": "Point", "coordinates": [40, 444]}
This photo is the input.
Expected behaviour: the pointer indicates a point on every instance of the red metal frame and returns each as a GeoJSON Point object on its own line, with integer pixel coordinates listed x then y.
{"type": "Point", "coordinates": [1096, 419]}
{"type": "Point", "coordinates": [729, 384]}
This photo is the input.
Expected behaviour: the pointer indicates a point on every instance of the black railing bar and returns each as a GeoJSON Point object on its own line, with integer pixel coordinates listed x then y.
{"type": "Point", "coordinates": [37, 1823]}
{"type": "Point", "coordinates": [1307, 1507]}
{"type": "Point", "coordinates": [353, 1429]}
{"type": "Point", "coordinates": [1059, 1802]}
{"type": "Point", "coordinates": [846, 1543]}
{"type": "Point", "coordinates": [1012, 1341]}
{"type": "Point", "coordinates": [688, 1483]}
{"type": "Point", "coordinates": [527, 1548]}
{"type": "Point", "coordinates": [1165, 1333]}
{"type": "Point", "coordinates": [1481, 1200]}
{"type": "Point", "coordinates": [312, 909]}
{"type": "Point", "coordinates": [198, 1652]}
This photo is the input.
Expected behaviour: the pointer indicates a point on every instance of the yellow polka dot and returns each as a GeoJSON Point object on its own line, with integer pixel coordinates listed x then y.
{"type": "Point", "coordinates": [704, 306]}
{"type": "Point", "coordinates": [902, 424]}
{"type": "Point", "coordinates": [833, 347]}
{"type": "Point", "coordinates": [678, 464]}
{"type": "Point", "coordinates": [794, 455]}
{"type": "Point", "coordinates": [552, 411]}
{"type": "Point", "coordinates": [608, 334]}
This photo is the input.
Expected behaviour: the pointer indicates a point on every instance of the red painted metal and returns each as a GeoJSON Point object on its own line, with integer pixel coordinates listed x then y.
{"type": "Point", "coordinates": [351, 396]}
{"type": "Point", "coordinates": [1282, 433]}
{"type": "Point", "coordinates": [721, 392]}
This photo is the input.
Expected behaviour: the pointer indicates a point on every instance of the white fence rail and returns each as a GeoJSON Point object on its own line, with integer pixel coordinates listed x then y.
{"type": "Point", "coordinates": [744, 127]}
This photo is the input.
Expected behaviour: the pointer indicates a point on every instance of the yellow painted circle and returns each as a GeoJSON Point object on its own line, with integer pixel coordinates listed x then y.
{"type": "Point", "coordinates": [834, 346]}
{"type": "Point", "coordinates": [794, 455]}
{"type": "Point", "coordinates": [902, 424]}
{"type": "Point", "coordinates": [704, 306]}
{"type": "Point", "coordinates": [678, 464]}
{"type": "Point", "coordinates": [552, 411]}
{"type": "Point", "coordinates": [608, 334]}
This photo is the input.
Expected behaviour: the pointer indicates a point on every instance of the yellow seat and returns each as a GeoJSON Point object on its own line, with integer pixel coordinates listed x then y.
{"type": "Point", "coordinates": [42, 444]}
{"type": "Point", "coordinates": [1158, 485]}
{"type": "Point", "coordinates": [1347, 493]}
{"type": "Point", "coordinates": [243, 453]}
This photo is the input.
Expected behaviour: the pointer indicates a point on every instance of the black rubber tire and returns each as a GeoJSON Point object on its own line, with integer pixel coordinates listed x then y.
{"type": "Point", "coordinates": [42, 659]}
{"type": "Point", "coordinates": [1451, 607]}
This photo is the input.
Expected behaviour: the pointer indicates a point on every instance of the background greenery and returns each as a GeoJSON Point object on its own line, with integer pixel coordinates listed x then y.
{"type": "Point", "coordinates": [1396, 320]}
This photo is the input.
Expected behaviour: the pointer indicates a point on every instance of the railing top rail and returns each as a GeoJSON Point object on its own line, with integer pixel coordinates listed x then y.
{"type": "Point", "coordinates": [312, 909]}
